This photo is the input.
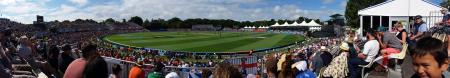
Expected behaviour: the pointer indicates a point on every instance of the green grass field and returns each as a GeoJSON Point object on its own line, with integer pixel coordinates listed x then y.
{"type": "Point", "coordinates": [204, 41]}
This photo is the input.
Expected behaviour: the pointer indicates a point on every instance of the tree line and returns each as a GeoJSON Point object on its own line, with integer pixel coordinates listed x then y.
{"type": "Point", "coordinates": [177, 23]}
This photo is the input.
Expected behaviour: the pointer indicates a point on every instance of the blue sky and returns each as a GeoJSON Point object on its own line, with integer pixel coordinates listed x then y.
{"type": "Point", "coordinates": [24, 11]}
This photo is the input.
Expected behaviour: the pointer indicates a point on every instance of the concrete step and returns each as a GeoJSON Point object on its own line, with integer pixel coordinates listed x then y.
{"type": "Point", "coordinates": [23, 67]}
{"type": "Point", "coordinates": [24, 76]}
{"type": "Point", "coordinates": [22, 73]}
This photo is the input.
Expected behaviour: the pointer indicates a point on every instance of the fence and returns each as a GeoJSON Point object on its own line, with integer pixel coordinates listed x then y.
{"type": "Point", "coordinates": [183, 72]}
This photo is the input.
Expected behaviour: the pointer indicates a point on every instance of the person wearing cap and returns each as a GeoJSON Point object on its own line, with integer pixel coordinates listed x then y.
{"type": "Point", "coordinates": [445, 19]}
{"type": "Point", "coordinates": [136, 71]}
{"type": "Point", "coordinates": [420, 28]}
{"type": "Point", "coordinates": [390, 44]}
{"type": "Point", "coordinates": [338, 68]}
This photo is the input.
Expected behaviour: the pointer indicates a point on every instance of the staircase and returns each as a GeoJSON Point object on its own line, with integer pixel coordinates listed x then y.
{"type": "Point", "coordinates": [22, 69]}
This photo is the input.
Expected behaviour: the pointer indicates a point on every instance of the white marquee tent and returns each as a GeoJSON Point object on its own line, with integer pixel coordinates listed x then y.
{"type": "Point", "coordinates": [303, 23]}
{"type": "Point", "coordinates": [285, 24]}
{"type": "Point", "coordinates": [275, 25]}
{"type": "Point", "coordinates": [295, 24]}
{"type": "Point", "coordinates": [313, 23]}
{"type": "Point", "coordinates": [401, 10]}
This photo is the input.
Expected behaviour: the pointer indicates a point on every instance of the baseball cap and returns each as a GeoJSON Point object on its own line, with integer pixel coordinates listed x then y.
{"type": "Point", "coordinates": [418, 17]}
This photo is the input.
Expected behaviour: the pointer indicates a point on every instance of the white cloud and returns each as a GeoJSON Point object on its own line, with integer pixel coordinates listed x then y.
{"type": "Point", "coordinates": [79, 2]}
{"type": "Point", "coordinates": [9, 2]}
{"type": "Point", "coordinates": [327, 1]}
{"type": "Point", "coordinates": [165, 9]}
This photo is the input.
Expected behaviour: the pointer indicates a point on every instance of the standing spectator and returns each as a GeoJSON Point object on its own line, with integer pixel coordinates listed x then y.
{"type": "Point", "coordinates": [225, 70]}
{"type": "Point", "coordinates": [53, 53]}
{"type": "Point", "coordinates": [116, 69]}
{"type": "Point", "coordinates": [65, 59]}
{"type": "Point", "coordinates": [271, 67]}
{"type": "Point", "coordinates": [317, 62]}
{"type": "Point", "coordinates": [172, 75]}
{"type": "Point", "coordinates": [76, 68]}
{"type": "Point", "coordinates": [206, 73]}
{"type": "Point", "coordinates": [157, 70]}
{"type": "Point", "coordinates": [96, 68]}
{"type": "Point", "coordinates": [136, 71]}
{"type": "Point", "coordinates": [430, 59]}
{"type": "Point", "coordinates": [369, 52]}
{"type": "Point", "coordinates": [326, 56]}
{"type": "Point", "coordinates": [5, 66]}
{"type": "Point", "coordinates": [301, 67]}
{"type": "Point", "coordinates": [286, 69]}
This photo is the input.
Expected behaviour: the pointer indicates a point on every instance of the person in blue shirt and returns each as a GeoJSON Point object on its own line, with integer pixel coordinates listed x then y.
{"type": "Point", "coordinates": [420, 28]}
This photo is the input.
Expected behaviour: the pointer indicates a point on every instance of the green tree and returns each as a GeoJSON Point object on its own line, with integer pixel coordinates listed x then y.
{"type": "Point", "coordinates": [318, 21]}
{"type": "Point", "coordinates": [136, 19]}
{"type": "Point", "coordinates": [175, 22]}
{"type": "Point", "coordinates": [146, 24]}
{"type": "Point", "coordinates": [353, 6]}
{"type": "Point", "coordinates": [445, 3]}
{"type": "Point", "coordinates": [110, 20]}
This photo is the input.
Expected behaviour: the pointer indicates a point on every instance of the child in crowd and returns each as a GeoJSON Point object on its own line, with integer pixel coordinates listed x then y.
{"type": "Point", "coordinates": [430, 58]}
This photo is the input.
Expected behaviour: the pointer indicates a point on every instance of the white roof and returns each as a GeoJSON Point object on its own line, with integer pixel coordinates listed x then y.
{"type": "Point", "coordinates": [401, 8]}
{"type": "Point", "coordinates": [313, 23]}
{"type": "Point", "coordinates": [303, 23]}
{"type": "Point", "coordinates": [276, 24]}
{"type": "Point", "coordinates": [285, 24]}
{"type": "Point", "coordinates": [295, 24]}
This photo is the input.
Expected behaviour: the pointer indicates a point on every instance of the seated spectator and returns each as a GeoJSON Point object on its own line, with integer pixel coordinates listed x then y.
{"type": "Point", "coordinates": [338, 68]}
{"type": "Point", "coordinates": [389, 44]}
{"type": "Point", "coordinates": [430, 58]}
{"type": "Point", "coordinates": [76, 68]}
{"type": "Point", "coordinates": [225, 70]}
{"type": "Point", "coordinates": [370, 51]}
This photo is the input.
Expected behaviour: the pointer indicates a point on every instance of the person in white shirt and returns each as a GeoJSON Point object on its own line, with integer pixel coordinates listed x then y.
{"type": "Point", "coordinates": [371, 48]}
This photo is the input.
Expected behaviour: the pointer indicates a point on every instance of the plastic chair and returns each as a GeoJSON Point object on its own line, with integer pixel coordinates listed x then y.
{"type": "Point", "coordinates": [368, 66]}
{"type": "Point", "coordinates": [402, 53]}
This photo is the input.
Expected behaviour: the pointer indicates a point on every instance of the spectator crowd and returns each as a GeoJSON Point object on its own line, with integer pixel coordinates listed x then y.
{"type": "Point", "coordinates": [76, 53]}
